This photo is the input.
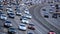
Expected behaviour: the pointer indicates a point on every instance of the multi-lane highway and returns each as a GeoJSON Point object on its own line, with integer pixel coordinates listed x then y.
{"type": "Point", "coordinates": [41, 25]}
{"type": "Point", "coordinates": [35, 11]}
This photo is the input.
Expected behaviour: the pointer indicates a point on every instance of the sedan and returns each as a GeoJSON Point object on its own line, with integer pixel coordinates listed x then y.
{"type": "Point", "coordinates": [9, 9]}
{"type": "Point", "coordinates": [11, 15]}
{"type": "Point", "coordinates": [27, 16]}
{"type": "Point", "coordinates": [18, 12]}
{"type": "Point", "coordinates": [1, 7]}
{"type": "Point", "coordinates": [23, 18]}
{"type": "Point", "coordinates": [26, 12]}
{"type": "Point", "coordinates": [12, 30]}
{"type": "Point", "coordinates": [54, 16]}
{"type": "Point", "coordinates": [3, 17]}
{"type": "Point", "coordinates": [24, 21]}
{"type": "Point", "coordinates": [9, 12]}
{"type": "Point", "coordinates": [31, 26]}
{"type": "Point", "coordinates": [8, 24]}
{"type": "Point", "coordinates": [22, 27]}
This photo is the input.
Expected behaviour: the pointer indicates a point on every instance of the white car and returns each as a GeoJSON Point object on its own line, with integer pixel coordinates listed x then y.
{"type": "Point", "coordinates": [22, 27]}
{"type": "Point", "coordinates": [26, 12]}
{"type": "Point", "coordinates": [3, 16]}
{"type": "Point", "coordinates": [18, 13]}
{"type": "Point", "coordinates": [26, 9]}
{"type": "Point", "coordinates": [28, 16]}
{"type": "Point", "coordinates": [10, 9]}
{"type": "Point", "coordinates": [24, 21]}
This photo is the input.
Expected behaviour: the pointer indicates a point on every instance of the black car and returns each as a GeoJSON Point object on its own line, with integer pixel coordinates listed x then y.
{"type": "Point", "coordinates": [11, 30]}
{"type": "Point", "coordinates": [8, 24]}
{"type": "Point", "coordinates": [11, 15]}
{"type": "Point", "coordinates": [54, 16]}
{"type": "Point", "coordinates": [46, 16]}
{"type": "Point", "coordinates": [57, 6]}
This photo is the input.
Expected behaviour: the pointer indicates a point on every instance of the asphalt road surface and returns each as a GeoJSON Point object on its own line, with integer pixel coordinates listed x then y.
{"type": "Point", "coordinates": [35, 11]}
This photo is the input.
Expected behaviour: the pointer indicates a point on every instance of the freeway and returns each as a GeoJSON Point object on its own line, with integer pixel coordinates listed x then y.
{"type": "Point", "coordinates": [37, 16]}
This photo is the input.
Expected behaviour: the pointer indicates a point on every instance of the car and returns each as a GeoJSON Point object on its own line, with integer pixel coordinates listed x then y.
{"type": "Point", "coordinates": [26, 12]}
{"type": "Point", "coordinates": [11, 15]}
{"type": "Point", "coordinates": [1, 0]}
{"type": "Point", "coordinates": [51, 32]}
{"type": "Point", "coordinates": [21, 18]}
{"type": "Point", "coordinates": [26, 9]}
{"type": "Point", "coordinates": [1, 7]}
{"type": "Point", "coordinates": [53, 6]}
{"type": "Point", "coordinates": [9, 12]}
{"type": "Point", "coordinates": [22, 27]}
{"type": "Point", "coordinates": [12, 30]}
{"type": "Point", "coordinates": [8, 24]}
{"type": "Point", "coordinates": [1, 12]}
{"type": "Point", "coordinates": [9, 6]}
{"type": "Point", "coordinates": [9, 9]}
{"type": "Point", "coordinates": [51, 11]}
{"type": "Point", "coordinates": [57, 6]}
{"type": "Point", "coordinates": [5, 2]}
{"type": "Point", "coordinates": [3, 17]}
{"type": "Point", "coordinates": [24, 21]}
{"type": "Point", "coordinates": [31, 26]}
{"type": "Point", "coordinates": [13, 3]}
{"type": "Point", "coordinates": [29, 33]}
{"type": "Point", "coordinates": [29, 16]}
{"type": "Point", "coordinates": [46, 15]}
{"type": "Point", "coordinates": [18, 12]}
{"type": "Point", "coordinates": [44, 9]}
{"type": "Point", "coordinates": [54, 16]}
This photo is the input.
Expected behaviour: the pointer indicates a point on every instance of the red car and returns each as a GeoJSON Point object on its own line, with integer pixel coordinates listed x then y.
{"type": "Point", "coordinates": [31, 26]}
{"type": "Point", "coordinates": [51, 32]}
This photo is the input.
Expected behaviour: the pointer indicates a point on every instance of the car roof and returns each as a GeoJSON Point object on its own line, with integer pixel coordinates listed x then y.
{"type": "Point", "coordinates": [31, 24]}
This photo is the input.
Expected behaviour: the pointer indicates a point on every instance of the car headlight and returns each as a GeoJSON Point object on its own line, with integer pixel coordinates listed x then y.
{"type": "Point", "coordinates": [10, 24]}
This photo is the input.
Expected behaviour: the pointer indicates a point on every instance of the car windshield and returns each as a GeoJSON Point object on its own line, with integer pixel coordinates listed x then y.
{"type": "Point", "coordinates": [18, 10]}
{"type": "Point", "coordinates": [12, 28]}
{"type": "Point", "coordinates": [22, 25]}
{"type": "Point", "coordinates": [11, 13]}
{"type": "Point", "coordinates": [3, 15]}
{"type": "Point", "coordinates": [29, 33]}
{"type": "Point", "coordinates": [8, 22]}
{"type": "Point", "coordinates": [31, 24]}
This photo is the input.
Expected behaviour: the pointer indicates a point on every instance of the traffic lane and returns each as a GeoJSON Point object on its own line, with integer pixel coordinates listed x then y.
{"type": "Point", "coordinates": [39, 27]}
{"type": "Point", "coordinates": [47, 25]}
{"type": "Point", "coordinates": [39, 21]}
{"type": "Point", "coordinates": [51, 20]}
{"type": "Point", "coordinates": [31, 10]}
{"type": "Point", "coordinates": [18, 21]}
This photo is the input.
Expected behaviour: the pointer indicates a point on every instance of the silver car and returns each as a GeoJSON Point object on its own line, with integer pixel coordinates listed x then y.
{"type": "Point", "coordinates": [22, 27]}
{"type": "Point", "coordinates": [3, 17]}
{"type": "Point", "coordinates": [24, 21]}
